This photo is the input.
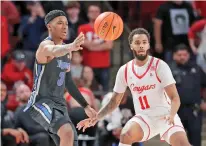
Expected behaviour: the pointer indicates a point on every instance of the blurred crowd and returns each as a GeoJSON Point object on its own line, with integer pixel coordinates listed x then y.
{"type": "Point", "coordinates": [178, 36]}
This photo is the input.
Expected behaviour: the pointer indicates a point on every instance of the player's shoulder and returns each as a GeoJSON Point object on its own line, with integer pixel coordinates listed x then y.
{"type": "Point", "coordinates": [46, 42]}
{"type": "Point", "coordinates": [161, 63]}
{"type": "Point", "coordinates": [125, 66]}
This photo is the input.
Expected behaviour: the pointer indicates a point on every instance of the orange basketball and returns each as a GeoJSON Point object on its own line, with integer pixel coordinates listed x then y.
{"type": "Point", "coordinates": [108, 26]}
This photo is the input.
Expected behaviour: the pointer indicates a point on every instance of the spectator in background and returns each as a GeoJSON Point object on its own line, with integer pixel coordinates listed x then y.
{"type": "Point", "coordinates": [9, 10]}
{"type": "Point", "coordinates": [31, 29]}
{"type": "Point", "coordinates": [5, 45]}
{"type": "Point", "coordinates": [12, 103]}
{"type": "Point", "coordinates": [189, 81]}
{"type": "Point", "coordinates": [200, 50]}
{"type": "Point", "coordinates": [88, 79]}
{"type": "Point", "coordinates": [200, 7]}
{"type": "Point", "coordinates": [171, 26]}
{"type": "Point", "coordinates": [76, 66]}
{"type": "Point", "coordinates": [74, 21]}
{"type": "Point", "coordinates": [96, 52]}
{"type": "Point", "coordinates": [16, 70]}
{"type": "Point", "coordinates": [52, 5]}
{"type": "Point", "coordinates": [9, 135]}
{"type": "Point", "coordinates": [36, 135]}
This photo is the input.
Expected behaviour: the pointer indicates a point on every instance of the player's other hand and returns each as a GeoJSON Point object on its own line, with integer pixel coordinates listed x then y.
{"type": "Point", "coordinates": [91, 113]}
{"type": "Point", "coordinates": [86, 124]}
{"type": "Point", "coordinates": [169, 119]}
{"type": "Point", "coordinates": [78, 42]}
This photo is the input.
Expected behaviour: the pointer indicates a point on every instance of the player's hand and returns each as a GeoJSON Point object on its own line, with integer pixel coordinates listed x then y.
{"type": "Point", "coordinates": [86, 124]}
{"type": "Point", "coordinates": [169, 119]}
{"type": "Point", "coordinates": [91, 113]}
{"type": "Point", "coordinates": [76, 45]}
{"type": "Point", "coordinates": [158, 48]}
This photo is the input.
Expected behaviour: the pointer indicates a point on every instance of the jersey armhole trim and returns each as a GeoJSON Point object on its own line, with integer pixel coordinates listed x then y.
{"type": "Point", "coordinates": [125, 73]}
{"type": "Point", "coordinates": [156, 71]}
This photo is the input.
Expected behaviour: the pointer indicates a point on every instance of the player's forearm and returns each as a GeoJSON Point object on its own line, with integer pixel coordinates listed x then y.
{"type": "Point", "coordinates": [74, 92]}
{"type": "Point", "coordinates": [111, 105]}
{"type": "Point", "coordinates": [175, 104]}
{"type": "Point", "coordinates": [58, 50]}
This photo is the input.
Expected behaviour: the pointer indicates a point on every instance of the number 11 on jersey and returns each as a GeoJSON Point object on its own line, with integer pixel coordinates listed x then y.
{"type": "Point", "coordinates": [143, 102]}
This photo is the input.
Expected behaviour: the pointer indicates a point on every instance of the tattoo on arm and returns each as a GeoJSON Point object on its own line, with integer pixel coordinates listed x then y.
{"type": "Point", "coordinates": [111, 105]}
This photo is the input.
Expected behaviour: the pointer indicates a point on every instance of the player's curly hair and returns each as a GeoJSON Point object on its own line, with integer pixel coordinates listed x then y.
{"type": "Point", "coordinates": [138, 31]}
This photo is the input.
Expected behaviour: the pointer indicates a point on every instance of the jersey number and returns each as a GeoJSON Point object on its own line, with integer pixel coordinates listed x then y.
{"type": "Point", "coordinates": [60, 81]}
{"type": "Point", "coordinates": [143, 102]}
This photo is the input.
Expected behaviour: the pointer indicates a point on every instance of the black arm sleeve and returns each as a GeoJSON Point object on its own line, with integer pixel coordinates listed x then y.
{"type": "Point", "coordinates": [74, 92]}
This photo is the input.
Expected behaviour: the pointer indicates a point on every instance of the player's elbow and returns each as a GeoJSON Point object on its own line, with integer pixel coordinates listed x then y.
{"type": "Point", "coordinates": [176, 100]}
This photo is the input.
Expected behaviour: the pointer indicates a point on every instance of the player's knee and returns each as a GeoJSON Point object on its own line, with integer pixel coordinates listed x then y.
{"type": "Point", "coordinates": [66, 131]}
{"type": "Point", "coordinates": [180, 142]}
{"type": "Point", "coordinates": [185, 143]}
{"type": "Point", "coordinates": [126, 137]}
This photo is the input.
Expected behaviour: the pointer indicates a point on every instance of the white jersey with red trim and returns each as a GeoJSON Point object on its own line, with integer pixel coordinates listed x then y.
{"type": "Point", "coordinates": [146, 84]}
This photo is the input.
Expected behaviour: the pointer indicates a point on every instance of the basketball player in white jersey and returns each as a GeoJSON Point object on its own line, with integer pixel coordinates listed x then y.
{"type": "Point", "coordinates": [155, 97]}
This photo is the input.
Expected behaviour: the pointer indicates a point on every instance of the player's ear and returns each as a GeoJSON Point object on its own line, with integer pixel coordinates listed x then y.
{"type": "Point", "coordinates": [48, 26]}
{"type": "Point", "coordinates": [131, 47]}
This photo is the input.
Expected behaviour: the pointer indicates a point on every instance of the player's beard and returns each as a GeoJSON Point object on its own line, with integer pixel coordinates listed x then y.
{"type": "Point", "coordinates": [140, 57]}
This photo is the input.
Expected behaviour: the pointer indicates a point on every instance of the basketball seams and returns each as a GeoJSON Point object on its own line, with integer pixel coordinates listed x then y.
{"type": "Point", "coordinates": [102, 21]}
{"type": "Point", "coordinates": [109, 27]}
{"type": "Point", "coordinates": [118, 26]}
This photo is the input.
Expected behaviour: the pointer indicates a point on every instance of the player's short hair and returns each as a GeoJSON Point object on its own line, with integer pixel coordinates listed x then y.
{"type": "Point", "coordinates": [53, 14]}
{"type": "Point", "coordinates": [181, 47]}
{"type": "Point", "coordinates": [138, 31]}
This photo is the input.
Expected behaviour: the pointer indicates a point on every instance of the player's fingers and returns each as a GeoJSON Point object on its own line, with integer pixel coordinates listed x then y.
{"type": "Point", "coordinates": [80, 41]}
{"type": "Point", "coordinates": [93, 123]}
{"type": "Point", "coordinates": [80, 36]}
{"type": "Point", "coordinates": [80, 127]}
{"type": "Point", "coordinates": [85, 127]}
{"type": "Point", "coordinates": [78, 48]}
{"type": "Point", "coordinates": [80, 124]}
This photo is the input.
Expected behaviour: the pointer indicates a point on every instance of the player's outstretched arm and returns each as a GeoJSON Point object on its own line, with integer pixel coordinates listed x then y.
{"type": "Point", "coordinates": [74, 92]}
{"type": "Point", "coordinates": [119, 90]}
{"type": "Point", "coordinates": [49, 49]}
{"type": "Point", "coordinates": [111, 105]}
{"type": "Point", "coordinates": [171, 91]}
{"type": "Point", "coordinates": [106, 109]}
{"type": "Point", "coordinates": [168, 83]}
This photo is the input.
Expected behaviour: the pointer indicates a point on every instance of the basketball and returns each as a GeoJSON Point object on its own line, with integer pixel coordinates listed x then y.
{"type": "Point", "coordinates": [108, 26]}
